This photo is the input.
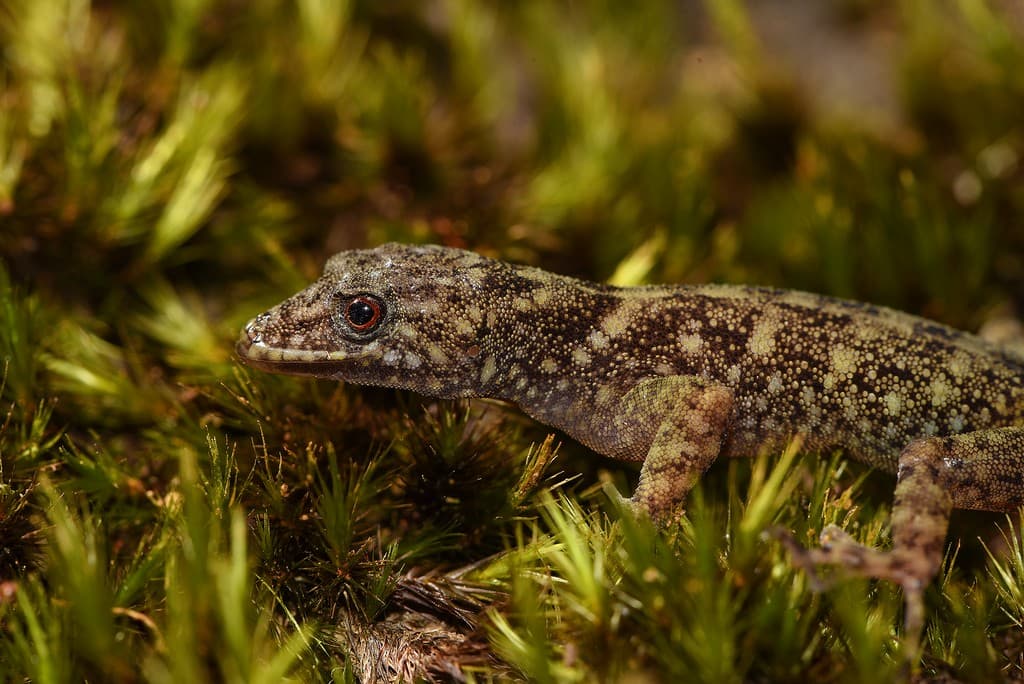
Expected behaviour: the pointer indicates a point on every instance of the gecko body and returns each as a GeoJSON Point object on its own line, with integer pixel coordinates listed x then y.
{"type": "Point", "coordinates": [676, 376]}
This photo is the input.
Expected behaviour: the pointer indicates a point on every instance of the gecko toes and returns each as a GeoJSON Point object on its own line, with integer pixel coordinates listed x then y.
{"type": "Point", "coordinates": [801, 557]}
{"type": "Point", "coordinates": [835, 539]}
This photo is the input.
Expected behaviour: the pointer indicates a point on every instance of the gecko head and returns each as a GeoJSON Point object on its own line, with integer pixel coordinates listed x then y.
{"type": "Point", "coordinates": [393, 316]}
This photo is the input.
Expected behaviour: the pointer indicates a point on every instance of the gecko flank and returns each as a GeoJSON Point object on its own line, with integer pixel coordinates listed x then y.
{"type": "Point", "coordinates": [677, 376]}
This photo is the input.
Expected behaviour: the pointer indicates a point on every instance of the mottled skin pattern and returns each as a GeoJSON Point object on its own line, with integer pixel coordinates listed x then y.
{"type": "Point", "coordinates": [678, 376]}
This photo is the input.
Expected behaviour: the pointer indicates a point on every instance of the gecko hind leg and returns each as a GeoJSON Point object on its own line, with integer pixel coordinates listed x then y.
{"type": "Point", "coordinates": [982, 470]}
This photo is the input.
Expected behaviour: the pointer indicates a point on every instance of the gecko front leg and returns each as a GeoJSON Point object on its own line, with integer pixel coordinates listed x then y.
{"type": "Point", "coordinates": [982, 470]}
{"type": "Point", "coordinates": [688, 416]}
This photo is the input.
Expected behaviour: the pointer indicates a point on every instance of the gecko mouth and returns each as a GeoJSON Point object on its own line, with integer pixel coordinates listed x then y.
{"type": "Point", "coordinates": [262, 356]}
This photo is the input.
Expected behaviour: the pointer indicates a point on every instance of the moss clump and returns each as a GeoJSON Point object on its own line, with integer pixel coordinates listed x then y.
{"type": "Point", "coordinates": [167, 169]}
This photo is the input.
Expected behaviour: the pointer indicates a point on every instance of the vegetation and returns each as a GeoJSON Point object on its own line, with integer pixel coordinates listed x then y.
{"type": "Point", "coordinates": [170, 168]}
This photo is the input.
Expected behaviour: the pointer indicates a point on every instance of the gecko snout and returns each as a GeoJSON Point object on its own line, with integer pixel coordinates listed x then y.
{"type": "Point", "coordinates": [244, 343]}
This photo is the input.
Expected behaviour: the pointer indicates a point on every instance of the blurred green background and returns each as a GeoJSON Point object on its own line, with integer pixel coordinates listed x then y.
{"type": "Point", "coordinates": [170, 168]}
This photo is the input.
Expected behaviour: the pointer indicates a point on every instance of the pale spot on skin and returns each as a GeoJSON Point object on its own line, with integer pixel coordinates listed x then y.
{"type": "Point", "coordinates": [940, 391]}
{"type": "Point", "coordinates": [718, 291]}
{"type": "Point", "coordinates": [549, 365]}
{"type": "Point", "coordinates": [489, 368]}
{"type": "Point", "coordinates": [664, 369]}
{"type": "Point", "coordinates": [775, 384]}
{"type": "Point", "coordinates": [391, 357]}
{"type": "Point", "coordinates": [960, 365]}
{"type": "Point", "coordinates": [474, 314]}
{"type": "Point", "coordinates": [412, 361]}
{"type": "Point", "coordinates": [541, 296]}
{"type": "Point", "coordinates": [850, 409]}
{"type": "Point", "coordinates": [807, 395]}
{"type": "Point", "coordinates": [762, 338]}
{"type": "Point", "coordinates": [618, 321]}
{"type": "Point", "coordinates": [691, 343]}
{"type": "Point", "coordinates": [469, 259]}
{"type": "Point", "coordinates": [805, 299]}
{"type": "Point", "coordinates": [580, 356]}
{"type": "Point", "coordinates": [844, 360]}
{"type": "Point", "coordinates": [734, 374]}
{"type": "Point", "coordinates": [898, 322]}
{"type": "Point", "coordinates": [437, 357]}
{"type": "Point", "coordinates": [597, 339]}
{"type": "Point", "coordinates": [522, 304]}
{"type": "Point", "coordinates": [695, 420]}
{"type": "Point", "coordinates": [868, 333]}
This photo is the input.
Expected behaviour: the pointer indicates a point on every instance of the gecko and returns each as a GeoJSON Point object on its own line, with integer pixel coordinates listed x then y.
{"type": "Point", "coordinates": [677, 376]}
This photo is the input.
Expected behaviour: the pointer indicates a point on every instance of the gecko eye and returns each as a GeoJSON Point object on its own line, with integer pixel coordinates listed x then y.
{"type": "Point", "coordinates": [364, 313]}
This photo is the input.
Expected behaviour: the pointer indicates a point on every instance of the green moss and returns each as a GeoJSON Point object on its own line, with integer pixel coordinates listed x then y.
{"type": "Point", "coordinates": [168, 169]}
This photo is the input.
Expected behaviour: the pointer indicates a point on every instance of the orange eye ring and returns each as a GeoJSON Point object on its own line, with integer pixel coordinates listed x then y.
{"type": "Point", "coordinates": [363, 313]}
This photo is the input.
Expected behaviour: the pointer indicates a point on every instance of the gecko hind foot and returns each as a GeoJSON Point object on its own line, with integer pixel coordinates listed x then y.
{"type": "Point", "coordinates": [851, 558]}
{"type": "Point", "coordinates": [800, 557]}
